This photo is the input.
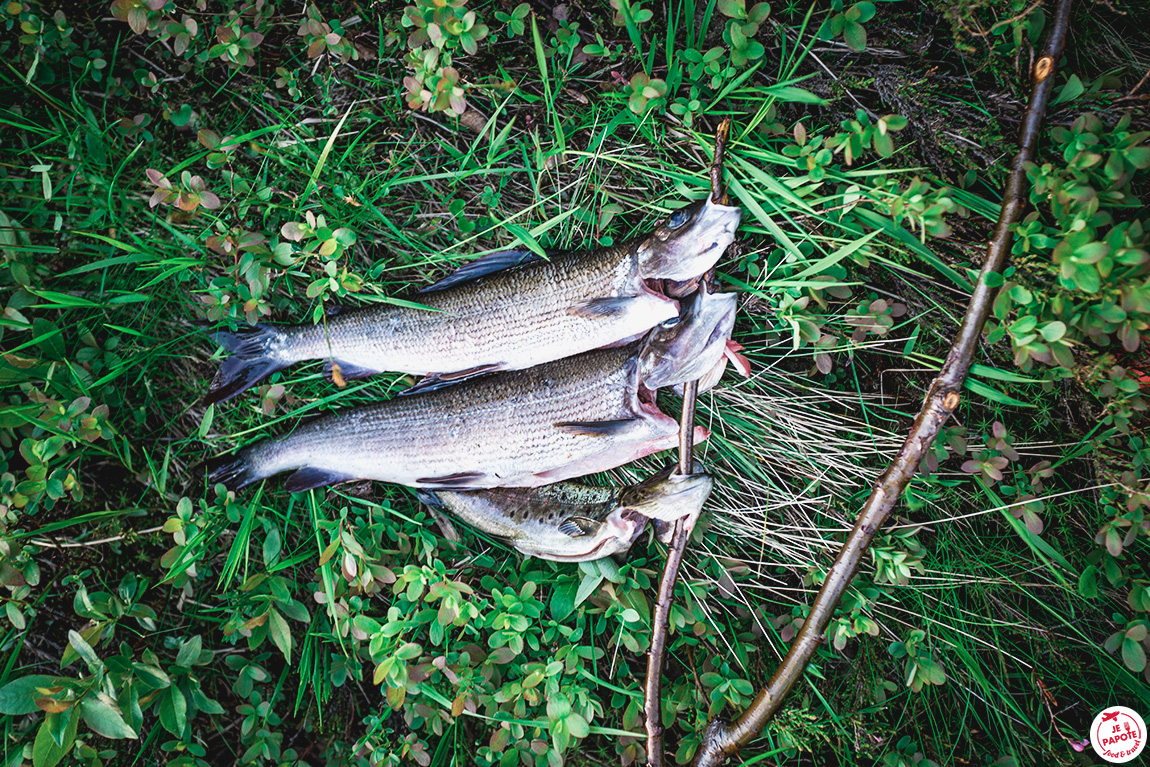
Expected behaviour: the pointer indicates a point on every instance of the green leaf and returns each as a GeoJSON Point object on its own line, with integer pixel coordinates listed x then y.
{"type": "Point", "coordinates": [47, 336]}
{"type": "Point", "coordinates": [151, 676]}
{"type": "Point", "coordinates": [1072, 90]}
{"type": "Point", "coordinates": [206, 422]}
{"type": "Point", "coordinates": [883, 144]}
{"type": "Point", "coordinates": [174, 711]}
{"type": "Point", "coordinates": [558, 706]}
{"type": "Point", "coordinates": [102, 716]}
{"type": "Point", "coordinates": [190, 651]}
{"type": "Point", "coordinates": [525, 237]}
{"type": "Point", "coordinates": [993, 394]}
{"type": "Point", "coordinates": [1133, 655]}
{"type": "Point", "coordinates": [280, 633]}
{"type": "Point", "coordinates": [18, 697]}
{"type": "Point", "coordinates": [577, 725]}
{"type": "Point", "coordinates": [587, 587]}
{"type": "Point", "coordinates": [563, 599]}
{"type": "Point", "coordinates": [15, 616]}
{"type": "Point", "coordinates": [854, 35]}
{"type": "Point", "coordinates": [1088, 582]}
{"type": "Point", "coordinates": [409, 651]}
{"type": "Point", "coordinates": [272, 545]}
{"type": "Point", "coordinates": [733, 9]}
{"type": "Point", "coordinates": [1053, 331]}
{"type": "Point", "coordinates": [46, 752]}
{"type": "Point", "coordinates": [896, 122]}
{"type": "Point", "coordinates": [83, 648]}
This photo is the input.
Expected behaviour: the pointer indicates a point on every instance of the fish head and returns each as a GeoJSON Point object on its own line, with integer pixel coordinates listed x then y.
{"type": "Point", "coordinates": [664, 497]}
{"type": "Point", "coordinates": [689, 241]}
{"type": "Point", "coordinates": [668, 496]}
{"type": "Point", "coordinates": [613, 535]}
{"type": "Point", "coordinates": [692, 345]}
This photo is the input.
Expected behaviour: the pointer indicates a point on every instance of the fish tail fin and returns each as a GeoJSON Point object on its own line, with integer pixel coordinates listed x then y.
{"type": "Point", "coordinates": [235, 471]}
{"type": "Point", "coordinates": [252, 359]}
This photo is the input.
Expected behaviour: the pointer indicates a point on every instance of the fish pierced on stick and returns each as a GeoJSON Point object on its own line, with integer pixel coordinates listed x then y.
{"type": "Point", "coordinates": [575, 522]}
{"type": "Point", "coordinates": [507, 311]}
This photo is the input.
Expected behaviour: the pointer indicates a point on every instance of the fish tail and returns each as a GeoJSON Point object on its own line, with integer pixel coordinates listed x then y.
{"type": "Point", "coordinates": [233, 471]}
{"type": "Point", "coordinates": [254, 356]}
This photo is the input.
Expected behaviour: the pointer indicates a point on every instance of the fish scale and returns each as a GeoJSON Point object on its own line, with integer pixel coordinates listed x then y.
{"type": "Point", "coordinates": [472, 331]}
{"type": "Point", "coordinates": [417, 440]}
{"type": "Point", "coordinates": [497, 313]}
{"type": "Point", "coordinates": [574, 522]}
{"type": "Point", "coordinates": [570, 417]}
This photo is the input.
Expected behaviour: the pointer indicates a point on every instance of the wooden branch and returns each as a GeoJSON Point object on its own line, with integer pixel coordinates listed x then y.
{"type": "Point", "coordinates": [943, 396]}
{"type": "Point", "coordinates": [652, 691]}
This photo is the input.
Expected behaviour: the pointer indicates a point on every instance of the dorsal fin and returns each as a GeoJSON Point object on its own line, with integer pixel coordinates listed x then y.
{"type": "Point", "coordinates": [577, 527]}
{"type": "Point", "coordinates": [489, 264]}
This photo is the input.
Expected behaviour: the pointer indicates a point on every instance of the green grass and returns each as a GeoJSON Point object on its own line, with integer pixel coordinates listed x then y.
{"type": "Point", "coordinates": [108, 298]}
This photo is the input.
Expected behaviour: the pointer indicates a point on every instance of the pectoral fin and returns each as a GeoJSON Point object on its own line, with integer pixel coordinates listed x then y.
{"type": "Point", "coordinates": [311, 477]}
{"type": "Point", "coordinates": [601, 307]}
{"type": "Point", "coordinates": [601, 428]}
{"type": "Point", "coordinates": [577, 527]}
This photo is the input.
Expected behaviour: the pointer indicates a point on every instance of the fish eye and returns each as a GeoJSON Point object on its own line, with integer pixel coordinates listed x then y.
{"type": "Point", "coordinates": [665, 324]}
{"type": "Point", "coordinates": [678, 218]}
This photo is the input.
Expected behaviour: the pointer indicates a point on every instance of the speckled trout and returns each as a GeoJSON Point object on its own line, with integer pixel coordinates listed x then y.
{"type": "Point", "coordinates": [507, 311]}
{"type": "Point", "coordinates": [574, 416]}
{"type": "Point", "coordinates": [574, 522]}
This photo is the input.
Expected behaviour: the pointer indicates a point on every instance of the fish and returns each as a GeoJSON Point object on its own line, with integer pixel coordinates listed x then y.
{"type": "Point", "coordinates": [507, 311]}
{"type": "Point", "coordinates": [574, 416]}
{"type": "Point", "coordinates": [575, 522]}
{"type": "Point", "coordinates": [701, 347]}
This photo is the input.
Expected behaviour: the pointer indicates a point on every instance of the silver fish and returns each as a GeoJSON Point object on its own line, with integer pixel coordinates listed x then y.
{"type": "Point", "coordinates": [567, 418]}
{"type": "Point", "coordinates": [508, 311]}
{"type": "Point", "coordinates": [699, 350]}
{"type": "Point", "coordinates": [574, 522]}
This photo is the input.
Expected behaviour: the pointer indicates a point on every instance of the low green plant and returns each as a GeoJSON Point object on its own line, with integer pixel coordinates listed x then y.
{"type": "Point", "coordinates": [848, 23]}
{"type": "Point", "coordinates": [921, 669]}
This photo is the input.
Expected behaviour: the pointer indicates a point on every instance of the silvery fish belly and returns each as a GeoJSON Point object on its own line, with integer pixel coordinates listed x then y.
{"type": "Point", "coordinates": [574, 522]}
{"type": "Point", "coordinates": [507, 311]}
{"type": "Point", "coordinates": [526, 428]}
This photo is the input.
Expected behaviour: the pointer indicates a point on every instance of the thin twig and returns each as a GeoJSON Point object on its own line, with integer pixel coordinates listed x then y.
{"type": "Point", "coordinates": [722, 740]}
{"type": "Point", "coordinates": [652, 699]}
{"type": "Point", "coordinates": [84, 544]}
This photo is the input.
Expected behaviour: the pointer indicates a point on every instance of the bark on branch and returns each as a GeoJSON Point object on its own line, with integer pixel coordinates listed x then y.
{"type": "Point", "coordinates": [652, 700]}
{"type": "Point", "coordinates": [723, 740]}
